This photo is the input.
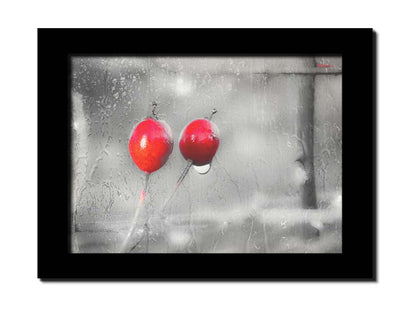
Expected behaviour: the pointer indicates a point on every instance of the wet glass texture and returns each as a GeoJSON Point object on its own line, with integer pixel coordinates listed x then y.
{"type": "Point", "coordinates": [274, 185]}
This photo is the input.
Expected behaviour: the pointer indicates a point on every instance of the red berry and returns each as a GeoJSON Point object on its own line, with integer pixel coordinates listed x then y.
{"type": "Point", "coordinates": [199, 141]}
{"type": "Point", "coordinates": [151, 144]}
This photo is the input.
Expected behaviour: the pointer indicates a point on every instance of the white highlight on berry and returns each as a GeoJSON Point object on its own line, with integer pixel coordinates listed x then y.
{"type": "Point", "coordinates": [143, 141]}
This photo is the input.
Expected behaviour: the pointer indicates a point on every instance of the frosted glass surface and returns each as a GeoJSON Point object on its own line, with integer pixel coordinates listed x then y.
{"type": "Point", "coordinates": [274, 185]}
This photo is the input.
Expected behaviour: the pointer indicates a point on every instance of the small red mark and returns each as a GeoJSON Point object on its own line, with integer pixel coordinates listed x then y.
{"type": "Point", "coordinates": [324, 65]}
{"type": "Point", "coordinates": [142, 196]}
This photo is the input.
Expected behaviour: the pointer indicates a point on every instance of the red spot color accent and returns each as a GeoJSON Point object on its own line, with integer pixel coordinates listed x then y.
{"type": "Point", "coordinates": [324, 65]}
{"type": "Point", "coordinates": [199, 141]}
{"type": "Point", "coordinates": [151, 144]}
{"type": "Point", "coordinates": [142, 196]}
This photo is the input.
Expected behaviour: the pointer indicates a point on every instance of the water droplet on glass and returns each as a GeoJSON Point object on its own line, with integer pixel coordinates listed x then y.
{"type": "Point", "coordinates": [202, 169]}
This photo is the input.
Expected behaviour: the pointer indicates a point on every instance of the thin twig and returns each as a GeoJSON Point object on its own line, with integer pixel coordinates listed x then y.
{"type": "Point", "coordinates": [178, 183]}
{"type": "Point", "coordinates": [214, 111]}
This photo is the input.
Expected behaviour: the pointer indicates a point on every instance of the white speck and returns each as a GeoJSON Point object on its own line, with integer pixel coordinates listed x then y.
{"type": "Point", "coordinates": [183, 87]}
{"type": "Point", "coordinates": [179, 238]}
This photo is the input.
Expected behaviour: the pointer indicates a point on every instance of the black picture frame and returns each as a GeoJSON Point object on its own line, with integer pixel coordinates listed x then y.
{"type": "Point", "coordinates": [358, 258]}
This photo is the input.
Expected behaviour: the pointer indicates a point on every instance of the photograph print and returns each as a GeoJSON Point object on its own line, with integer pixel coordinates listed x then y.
{"type": "Point", "coordinates": [206, 154]}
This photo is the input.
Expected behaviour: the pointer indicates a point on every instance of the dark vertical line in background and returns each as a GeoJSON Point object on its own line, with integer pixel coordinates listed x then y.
{"type": "Point", "coordinates": [306, 135]}
{"type": "Point", "coordinates": [312, 187]}
{"type": "Point", "coordinates": [310, 183]}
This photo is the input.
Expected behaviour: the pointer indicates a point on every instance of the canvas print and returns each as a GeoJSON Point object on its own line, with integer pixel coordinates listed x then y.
{"type": "Point", "coordinates": [206, 154]}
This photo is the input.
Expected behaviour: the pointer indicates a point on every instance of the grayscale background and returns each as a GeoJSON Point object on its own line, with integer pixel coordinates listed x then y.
{"type": "Point", "coordinates": [275, 184]}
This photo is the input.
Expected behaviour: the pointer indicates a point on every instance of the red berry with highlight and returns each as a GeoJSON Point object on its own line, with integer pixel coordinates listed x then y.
{"type": "Point", "coordinates": [199, 141]}
{"type": "Point", "coordinates": [151, 144]}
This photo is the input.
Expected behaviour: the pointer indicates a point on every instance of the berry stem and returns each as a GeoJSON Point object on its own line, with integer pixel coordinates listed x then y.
{"type": "Point", "coordinates": [166, 204]}
{"type": "Point", "coordinates": [136, 215]}
{"type": "Point", "coordinates": [212, 113]}
{"type": "Point", "coordinates": [154, 114]}
{"type": "Point", "coordinates": [178, 183]}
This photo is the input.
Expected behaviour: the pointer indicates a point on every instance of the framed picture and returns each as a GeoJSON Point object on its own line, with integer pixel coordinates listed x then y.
{"type": "Point", "coordinates": [193, 154]}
